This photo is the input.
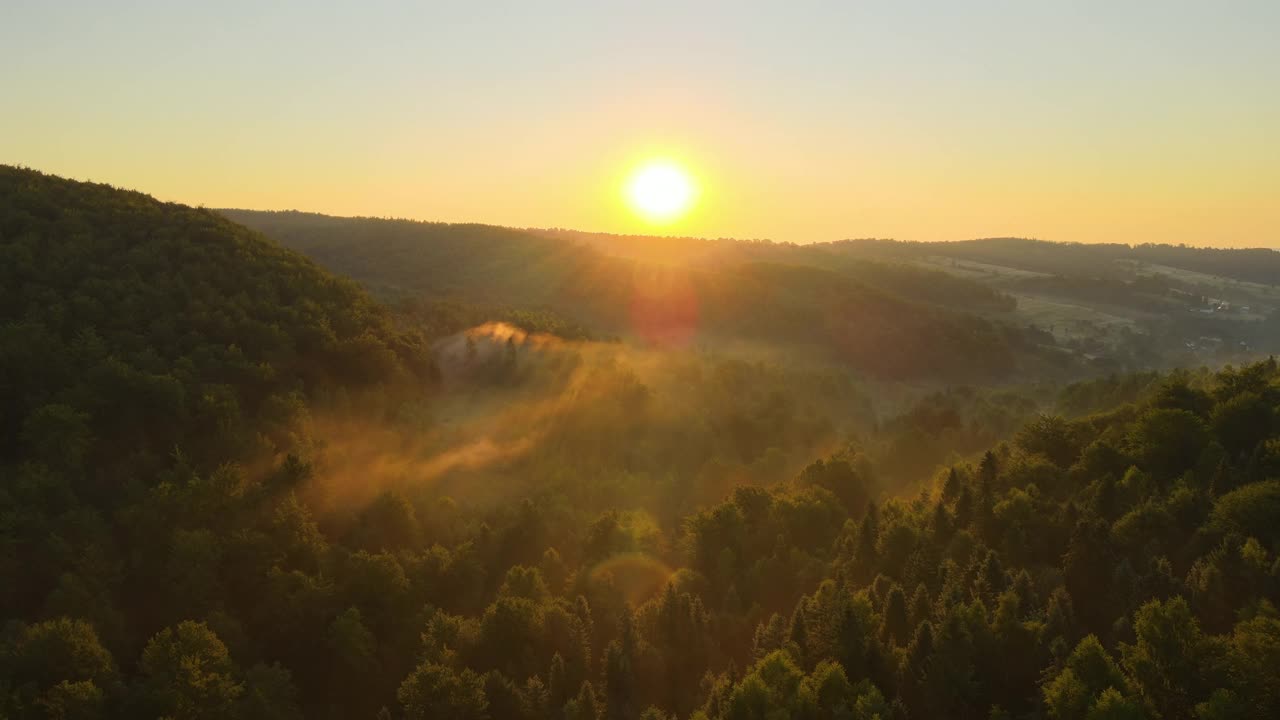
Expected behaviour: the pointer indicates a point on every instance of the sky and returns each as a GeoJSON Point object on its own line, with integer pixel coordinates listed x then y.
{"type": "Point", "coordinates": [1084, 121]}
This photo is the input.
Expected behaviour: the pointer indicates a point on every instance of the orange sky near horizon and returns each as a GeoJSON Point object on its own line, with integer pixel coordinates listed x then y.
{"type": "Point", "coordinates": [819, 121]}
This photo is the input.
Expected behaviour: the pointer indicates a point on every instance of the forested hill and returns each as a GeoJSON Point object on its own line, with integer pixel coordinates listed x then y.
{"type": "Point", "coordinates": [483, 261]}
{"type": "Point", "coordinates": [130, 328]}
{"type": "Point", "coordinates": [882, 319]}
{"type": "Point", "coordinates": [157, 367]}
{"type": "Point", "coordinates": [466, 258]}
{"type": "Point", "coordinates": [1259, 265]}
{"type": "Point", "coordinates": [882, 273]}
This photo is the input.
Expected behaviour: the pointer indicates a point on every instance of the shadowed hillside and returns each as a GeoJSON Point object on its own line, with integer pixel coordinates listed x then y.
{"type": "Point", "coordinates": [887, 320]}
{"type": "Point", "coordinates": [127, 322]}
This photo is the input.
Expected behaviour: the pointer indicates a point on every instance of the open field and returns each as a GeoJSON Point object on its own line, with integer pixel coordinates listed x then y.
{"type": "Point", "coordinates": [971, 270]}
{"type": "Point", "coordinates": [1067, 319]}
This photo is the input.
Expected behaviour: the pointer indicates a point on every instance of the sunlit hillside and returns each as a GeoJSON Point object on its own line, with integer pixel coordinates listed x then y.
{"type": "Point", "coordinates": [878, 319]}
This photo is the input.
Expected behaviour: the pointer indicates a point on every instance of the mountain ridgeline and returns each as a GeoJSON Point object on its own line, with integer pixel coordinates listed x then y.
{"type": "Point", "coordinates": [886, 320]}
{"type": "Point", "coordinates": [1259, 265]}
{"type": "Point", "coordinates": [549, 482]}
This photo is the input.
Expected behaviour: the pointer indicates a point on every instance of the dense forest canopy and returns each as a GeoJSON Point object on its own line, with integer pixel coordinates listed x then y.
{"type": "Point", "coordinates": [233, 485]}
{"type": "Point", "coordinates": [133, 326]}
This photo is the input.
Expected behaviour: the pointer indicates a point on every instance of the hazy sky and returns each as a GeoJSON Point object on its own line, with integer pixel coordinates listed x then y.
{"type": "Point", "coordinates": [1094, 121]}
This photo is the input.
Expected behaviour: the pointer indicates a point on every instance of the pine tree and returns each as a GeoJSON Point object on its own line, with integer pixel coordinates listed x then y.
{"type": "Point", "coordinates": [921, 610]}
{"type": "Point", "coordinates": [991, 579]}
{"type": "Point", "coordinates": [894, 625]}
{"type": "Point", "coordinates": [585, 706]}
{"type": "Point", "coordinates": [951, 487]}
{"type": "Point", "coordinates": [964, 508]}
{"type": "Point", "coordinates": [987, 474]}
{"type": "Point", "coordinates": [1222, 481]}
{"type": "Point", "coordinates": [769, 636]}
{"type": "Point", "coordinates": [941, 524]}
{"type": "Point", "coordinates": [619, 671]}
{"type": "Point", "coordinates": [865, 558]}
{"type": "Point", "coordinates": [798, 635]}
{"type": "Point", "coordinates": [1025, 588]}
{"type": "Point", "coordinates": [557, 684]}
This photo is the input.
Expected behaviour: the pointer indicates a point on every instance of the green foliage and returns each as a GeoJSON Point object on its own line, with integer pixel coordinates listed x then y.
{"type": "Point", "coordinates": [1052, 437]}
{"type": "Point", "coordinates": [1242, 422]}
{"type": "Point", "coordinates": [234, 488]}
{"type": "Point", "coordinates": [436, 691]}
{"type": "Point", "coordinates": [1251, 510]}
{"type": "Point", "coordinates": [1089, 679]}
{"type": "Point", "coordinates": [1253, 651]}
{"type": "Point", "coordinates": [186, 672]}
{"type": "Point", "coordinates": [1168, 442]}
{"type": "Point", "coordinates": [1172, 664]}
{"type": "Point", "coordinates": [1113, 705]}
{"type": "Point", "coordinates": [127, 322]}
{"type": "Point", "coordinates": [775, 687]}
{"type": "Point", "coordinates": [59, 666]}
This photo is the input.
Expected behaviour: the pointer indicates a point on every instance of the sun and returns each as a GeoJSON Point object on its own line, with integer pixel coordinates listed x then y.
{"type": "Point", "coordinates": [660, 191]}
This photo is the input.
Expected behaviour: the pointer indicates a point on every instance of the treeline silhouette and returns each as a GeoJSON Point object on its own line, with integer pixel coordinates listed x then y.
{"type": "Point", "coordinates": [1259, 265]}
{"type": "Point", "coordinates": [923, 285]}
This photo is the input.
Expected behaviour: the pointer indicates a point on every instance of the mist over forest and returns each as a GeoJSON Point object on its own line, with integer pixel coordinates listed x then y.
{"type": "Point", "coordinates": [288, 465]}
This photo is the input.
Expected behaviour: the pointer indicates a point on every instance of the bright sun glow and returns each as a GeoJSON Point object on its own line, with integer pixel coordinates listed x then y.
{"type": "Point", "coordinates": [660, 191]}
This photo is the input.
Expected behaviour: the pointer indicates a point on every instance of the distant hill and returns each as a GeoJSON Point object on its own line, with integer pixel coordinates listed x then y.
{"type": "Point", "coordinates": [1259, 265]}
{"type": "Point", "coordinates": [1141, 306]}
{"type": "Point", "coordinates": [889, 320]}
{"type": "Point", "coordinates": [883, 273]}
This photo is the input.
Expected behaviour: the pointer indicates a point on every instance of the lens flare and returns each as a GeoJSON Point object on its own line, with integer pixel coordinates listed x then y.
{"type": "Point", "coordinates": [636, 575]}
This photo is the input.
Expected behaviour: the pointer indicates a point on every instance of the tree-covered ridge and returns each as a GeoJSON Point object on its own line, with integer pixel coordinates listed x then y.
{"type": "Point", "coordinates": [476, 259]}
{"type": "Point", "coordinates": [894, 278]}
{"type": "Point", "coordinates": [144, 347]}
{"type": "Point", "coordinates": [127, 324]}
{"type": "Point", "coordinates": [482, 263]}
{"type": "Point", "coordinates": [884, 319]}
